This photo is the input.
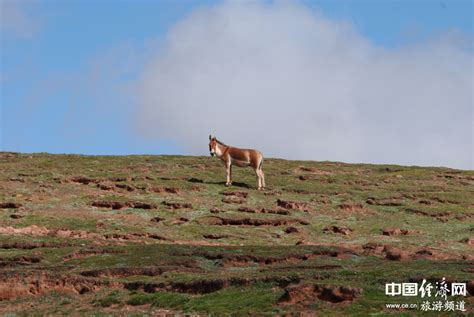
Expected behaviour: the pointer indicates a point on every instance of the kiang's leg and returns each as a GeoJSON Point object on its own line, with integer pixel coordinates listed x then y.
{"type": "Point", "coordinates": [259, 178]}
{"type": "Point", "coordinates": [262, 176]}
{"type": "Point", "coordinates": [229, 174]}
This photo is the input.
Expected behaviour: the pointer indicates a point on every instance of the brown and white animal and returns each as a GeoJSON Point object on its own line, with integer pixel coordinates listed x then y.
{"type": "Point", "coordinates": [240, 157]}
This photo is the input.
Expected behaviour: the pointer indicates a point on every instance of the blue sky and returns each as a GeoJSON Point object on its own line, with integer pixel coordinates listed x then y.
{"type": "Point", "coordinates": [69, 69]}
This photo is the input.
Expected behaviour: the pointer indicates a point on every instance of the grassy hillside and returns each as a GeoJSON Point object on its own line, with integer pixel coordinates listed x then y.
{"type": "Point", "coordinates": [135, 234]}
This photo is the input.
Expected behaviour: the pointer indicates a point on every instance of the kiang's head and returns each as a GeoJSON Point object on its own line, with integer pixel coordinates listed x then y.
{"type": "Point", "coordinates": [212, 145]}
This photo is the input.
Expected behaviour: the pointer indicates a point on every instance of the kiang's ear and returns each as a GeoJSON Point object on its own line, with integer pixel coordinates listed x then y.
{"type": "Point", "coordinates": [210, 138]}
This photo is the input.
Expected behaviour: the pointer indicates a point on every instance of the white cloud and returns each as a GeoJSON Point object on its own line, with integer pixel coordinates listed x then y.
{"type": "Point", "coordinates": [296, 84]}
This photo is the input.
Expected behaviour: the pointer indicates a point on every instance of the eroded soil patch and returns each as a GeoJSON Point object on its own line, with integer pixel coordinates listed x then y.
{"type": "Point", "coordinates": [10, 205]}
{"type": "Point", "coordinates": [177, 205]}
{"type": "Point", "coordinates": [120, 205]}
{"type": "Point", "coordinates": [207, 286]}
{"type": "Point", "coordinates": [166, 190]}
{"type": "Point", "coordinates": [262, 210]}
{"type": "Point", "coordinates": [220, 221]}
{"type": "Point", "coordinates": [306, 294]}
{"type": "Point", "coordinates": [338, 229]}
{"type": "Point", "coordinates": [397, 232]}
{"type": "Point", "coordinates": [296, 205]}
{"type": "Point", "coordinates": [133, 271]}
{"type": "Point", "coordinates": [16, 285]}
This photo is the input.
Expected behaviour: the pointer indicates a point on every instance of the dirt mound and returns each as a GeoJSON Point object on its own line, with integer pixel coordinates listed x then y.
{"type": "Point", "coordinates": [467, 240]}
{"type": "Point", "coordinates": [109, 204]}
{"type": "Point", "coordinates": [464, 217]}
{"type": "Point", "coordinates": [10, 205]}
{"type": "Point", "coordinates": [117, 179]}
{"type": "Point", "coordinates": [254, 221]}
{"type": "Point", "coordinates": [425, 202]}
{"type": "Point", "coordinates": [166, 190]}
{"type": "Point", "coordinates": [124, 272]}
{"type": "Point", "coordinates": [303, 242]}
{"type": "Point", "coordinates": [193, 287]}
{"type": "Point", "coordinates": [140, 205]}
{"type": "Point", "coordinates": [75, 234]}
{"type": "Point", "coordinates": [397, 232]}
{"type": "Point", "coordinates": [200, 286]}
{"type": "Point", "coordinates": [384, 202]}
{"type": "Point", "coordinates": [82, 180]}
{"type": "Point", "coordinates": [105, 186]}
{"type": "Point", "coordinates": [230, 259]}
{"type": "Point", "coordinates": [120, 205]}
{"type": "Point", "coordinates": [215, 210]}
{"type": "Point", "coordinates": [13, 286]}
{"type": "Point", "coordinates": [441, 215]}
{"type": "Point", "coordinates": [32, 245]}
{"type": "Point", "coordinates": [134, 236]}
{"type": "Point", "coordinates": [43, 231]}
{"type": "Point", "coordinates": [291, 230]}
{"type": "Point", "coordinates": [338, 229]}
{"type": "Point", "coordinates": [337, 294]}
{"type": "Point", "coordinates": [306, 294]}
{"type": "Point", "coordinates": [272, 193]}
{"type": "Point", "coordinates": [351, 207]}
{"type": "Point", "coordinates": [275, 211]}
{"type": "Point", "coordinates": [427, 253]}
{"type": "Point", "coordinates": [444, 201]}
{"type": "Point", "coordinates": [207, 286]}
{"type": "Point", "coordinates": [244, 260]}
{"type": "Point", "coordinates": [296, 205]}
{"type": "Point", "coordinates": [249, 209]}
{"type": "Point", "coordinates": [180, 221]}
{"type": "Point", "coordinates": [264, 210]}
{"type": "Point", "coordinates": [395, 254]}
{"type": "Point", "coordinates": [127, 187]}
{"type": "Point", "coordinates": [298, 294]}
{"type": "Point", "coordinates": [373, 248]}
{"type": "Point", "coordinates": [79, 234]}
{"type": "Point", "coordinates": [177, 205]}
{"type": "Point", "coordinates": [30, 230]}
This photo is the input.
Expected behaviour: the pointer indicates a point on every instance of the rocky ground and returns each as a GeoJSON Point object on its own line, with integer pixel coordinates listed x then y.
{"type": "Point", "coordinates": [162, 234]}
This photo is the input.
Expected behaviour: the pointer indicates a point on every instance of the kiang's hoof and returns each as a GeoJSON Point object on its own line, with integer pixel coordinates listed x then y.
{"type": "Point", "coordinates": [228, 184]}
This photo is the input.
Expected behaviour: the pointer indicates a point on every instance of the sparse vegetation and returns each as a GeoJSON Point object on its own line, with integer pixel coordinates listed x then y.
{"type": "Point", "coordinates": [107, 234]}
